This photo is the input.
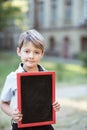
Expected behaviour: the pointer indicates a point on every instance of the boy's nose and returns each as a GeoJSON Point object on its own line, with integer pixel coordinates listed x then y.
{"type": "Point", "coordinates": [31, 55]}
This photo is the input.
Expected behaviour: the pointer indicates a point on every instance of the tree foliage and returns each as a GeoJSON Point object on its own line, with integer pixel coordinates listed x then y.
{"type": "Point", "coordinates": [8, 14]}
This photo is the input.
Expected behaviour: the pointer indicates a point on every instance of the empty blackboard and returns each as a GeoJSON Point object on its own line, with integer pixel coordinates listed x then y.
{"type": "Point", "coordinates": [36, 93]}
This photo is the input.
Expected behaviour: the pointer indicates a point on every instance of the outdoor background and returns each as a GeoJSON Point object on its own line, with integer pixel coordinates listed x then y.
{"type": "Point", "coordinates": [63, 23]}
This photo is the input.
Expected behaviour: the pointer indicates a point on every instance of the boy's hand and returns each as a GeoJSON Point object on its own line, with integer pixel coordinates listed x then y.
{"type": "Point", "coordinates": [16, 115]}
{"type": "Point", "coordinates": [56, 106]}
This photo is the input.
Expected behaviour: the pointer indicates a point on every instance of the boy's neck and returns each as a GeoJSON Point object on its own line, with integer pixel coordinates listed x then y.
{"type": "Point", "coordinates": [30, 69]}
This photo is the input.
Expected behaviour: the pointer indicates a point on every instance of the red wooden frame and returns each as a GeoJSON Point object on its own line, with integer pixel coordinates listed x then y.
{"type": "Point", "coordinates": [39, 123]}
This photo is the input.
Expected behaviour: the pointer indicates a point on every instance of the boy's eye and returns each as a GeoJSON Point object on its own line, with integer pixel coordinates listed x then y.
{"type": "Point", "coordinates": [37, 52]}
{"type": "Point", "coordinates": [26, 51]}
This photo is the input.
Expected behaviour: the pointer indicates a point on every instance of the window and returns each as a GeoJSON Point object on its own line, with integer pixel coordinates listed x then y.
{"type": "Point", "coordinates": [54, 8]}
{"type": "Point", "coordinates": [41, 13]}
{"type": "Point", "coordinates": [84, 44]}
{"type": "Point", "coordinates": [52, 43]}
{"type": "Point", "coordinates": [68, 11]}
{"type": "Point", "coordinates": [85, 9]}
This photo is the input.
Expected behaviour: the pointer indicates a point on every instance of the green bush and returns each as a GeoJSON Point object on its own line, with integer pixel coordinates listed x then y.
{"type": "Point", "coordinates": [83, 57]}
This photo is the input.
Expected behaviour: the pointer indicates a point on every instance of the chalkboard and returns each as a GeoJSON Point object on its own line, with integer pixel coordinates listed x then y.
{"type": "Point", "coordinates": [36, 93]}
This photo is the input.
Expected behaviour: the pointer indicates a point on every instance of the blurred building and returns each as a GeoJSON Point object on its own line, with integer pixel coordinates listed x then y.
{"type": "Point", "coordinates": [63, 23]}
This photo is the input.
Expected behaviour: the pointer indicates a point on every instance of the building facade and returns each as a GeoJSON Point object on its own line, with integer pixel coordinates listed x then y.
{"type": "Point", "coordinates": [63, 23]}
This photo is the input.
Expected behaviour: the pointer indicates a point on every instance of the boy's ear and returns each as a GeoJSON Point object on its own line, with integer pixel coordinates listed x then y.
{"type": "Point", "coordinates": [18, 51]}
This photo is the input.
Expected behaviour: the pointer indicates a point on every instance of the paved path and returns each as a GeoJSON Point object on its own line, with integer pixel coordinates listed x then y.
{"type": "Point", "coordinates": [73, 113]}
{"type": "Point", "coordinates": [71, 92]}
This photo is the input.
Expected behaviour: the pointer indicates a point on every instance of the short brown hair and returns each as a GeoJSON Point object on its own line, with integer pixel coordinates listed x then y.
{"type": "Point", "coordinates": [33, 36]}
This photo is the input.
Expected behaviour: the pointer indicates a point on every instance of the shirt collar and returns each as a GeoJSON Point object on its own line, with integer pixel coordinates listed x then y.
{"type": "Point", "coordinates": [20, 68]}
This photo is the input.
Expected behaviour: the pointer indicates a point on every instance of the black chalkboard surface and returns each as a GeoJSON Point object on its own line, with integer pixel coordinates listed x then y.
{"type": "Point", "coordinates": [36, 93]}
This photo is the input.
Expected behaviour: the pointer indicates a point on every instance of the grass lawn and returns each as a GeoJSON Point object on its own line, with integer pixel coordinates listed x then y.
{"type": "Point", "coordinates": [69, 74]}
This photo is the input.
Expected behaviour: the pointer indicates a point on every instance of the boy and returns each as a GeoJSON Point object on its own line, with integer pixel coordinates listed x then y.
{"type": "Point", "coordinates": [30, 49]}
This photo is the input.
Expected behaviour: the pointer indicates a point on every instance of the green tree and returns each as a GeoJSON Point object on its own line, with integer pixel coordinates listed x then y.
{"type": "Point", "coordinates": [8, 14]}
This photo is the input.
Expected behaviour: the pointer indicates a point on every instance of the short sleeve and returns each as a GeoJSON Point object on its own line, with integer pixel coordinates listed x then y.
{"type": "Point", "coordinates": [6, 93]}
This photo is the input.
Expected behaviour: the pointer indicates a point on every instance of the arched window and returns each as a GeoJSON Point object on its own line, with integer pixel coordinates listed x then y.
{"type": "Point", "coordinates": [84, 44]}
{"type": "Point", "coordinates": [65, 49]}
{"type": "Point", "coordinates": [52, 43]}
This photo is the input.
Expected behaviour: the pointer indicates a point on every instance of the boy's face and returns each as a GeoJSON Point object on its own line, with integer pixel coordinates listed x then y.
{"type": "Point", "coordinates": [30, 55]}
